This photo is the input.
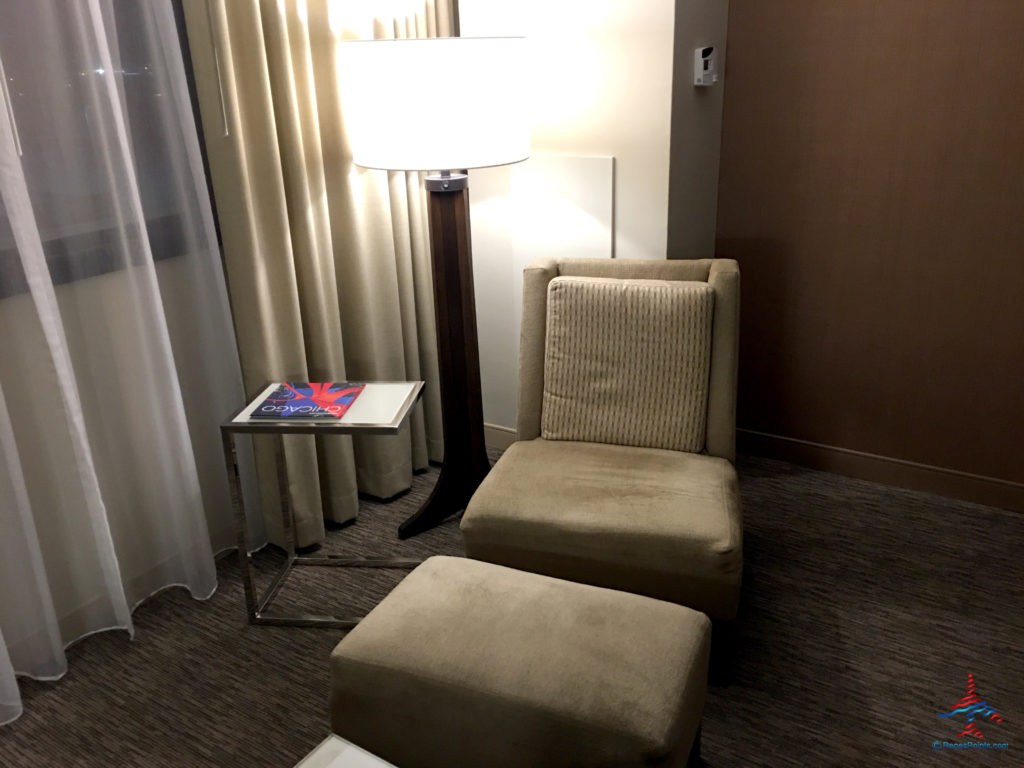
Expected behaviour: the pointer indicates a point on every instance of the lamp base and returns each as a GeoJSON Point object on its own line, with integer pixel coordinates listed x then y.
{"type": "Point", "coordinates": [465, 455]}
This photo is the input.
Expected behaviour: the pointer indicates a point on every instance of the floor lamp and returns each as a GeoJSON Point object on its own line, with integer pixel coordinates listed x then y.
{"type": "Point", "coordinates": [442, 104]}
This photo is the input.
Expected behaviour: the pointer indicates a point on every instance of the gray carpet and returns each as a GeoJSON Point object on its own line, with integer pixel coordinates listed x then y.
{"type": "Point", "coordinates": [864, 610]}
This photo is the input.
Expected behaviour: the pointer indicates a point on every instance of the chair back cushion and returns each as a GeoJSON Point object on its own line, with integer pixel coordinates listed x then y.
{"type": "Point", "coordinates": [626, 362]}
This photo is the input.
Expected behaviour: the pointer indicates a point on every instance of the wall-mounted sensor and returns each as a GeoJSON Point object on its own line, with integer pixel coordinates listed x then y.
{"type": "Point", "coordinates": [705, 70]}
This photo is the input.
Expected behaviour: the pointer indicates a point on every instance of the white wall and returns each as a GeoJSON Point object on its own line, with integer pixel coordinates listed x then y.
{"type": "Point", "coordinates": [602, 85]}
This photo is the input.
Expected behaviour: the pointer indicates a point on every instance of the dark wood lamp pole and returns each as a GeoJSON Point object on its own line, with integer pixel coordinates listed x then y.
{"type": "Point", "coordinates": [465, 456]}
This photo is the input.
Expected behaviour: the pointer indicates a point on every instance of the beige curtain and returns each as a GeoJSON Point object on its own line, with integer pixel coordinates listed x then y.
{"type": "Point", "coordinates": [328, 264]}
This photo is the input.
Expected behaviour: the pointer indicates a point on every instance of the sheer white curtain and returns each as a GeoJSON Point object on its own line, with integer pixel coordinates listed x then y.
{"type": "Point", "coordinates": [117, 356]}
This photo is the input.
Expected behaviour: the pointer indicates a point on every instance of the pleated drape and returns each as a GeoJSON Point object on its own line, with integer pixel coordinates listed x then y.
{"type": "Point", "coordinates": [328, 264]}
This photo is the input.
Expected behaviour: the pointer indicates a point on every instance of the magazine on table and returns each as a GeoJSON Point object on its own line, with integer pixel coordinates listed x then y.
{"type": "Point", "coordinates": [294, 400]}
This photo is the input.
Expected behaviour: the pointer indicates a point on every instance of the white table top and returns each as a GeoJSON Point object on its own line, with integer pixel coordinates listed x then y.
{"type": "Point", "coordinates": [335, 752]}
{"type": "Point", "coordinates": [382, 405]}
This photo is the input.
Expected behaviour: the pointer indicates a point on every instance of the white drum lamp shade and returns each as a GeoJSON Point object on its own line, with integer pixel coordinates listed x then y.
{"type": "Point", "coordinates": [435, 104]}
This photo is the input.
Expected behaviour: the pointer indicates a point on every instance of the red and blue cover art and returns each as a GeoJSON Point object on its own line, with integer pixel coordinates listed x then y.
{"type": "Point", "coordinates": [308, 400]}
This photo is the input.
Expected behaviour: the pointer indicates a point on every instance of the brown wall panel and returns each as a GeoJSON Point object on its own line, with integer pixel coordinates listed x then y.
{"type": "Point", "coordinates": [872, 189]}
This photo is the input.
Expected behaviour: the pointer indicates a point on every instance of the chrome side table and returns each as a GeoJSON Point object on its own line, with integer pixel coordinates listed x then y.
{"type": "Point", "coordinates": [381, 409]}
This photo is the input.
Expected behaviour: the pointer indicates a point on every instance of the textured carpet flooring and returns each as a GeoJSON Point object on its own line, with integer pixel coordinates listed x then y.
{"type": "Point", "coordinates": [864, 610]}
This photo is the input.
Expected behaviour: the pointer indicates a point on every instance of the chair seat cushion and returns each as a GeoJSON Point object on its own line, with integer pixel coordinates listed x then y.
{"type": "Point", "coordinates": [656, 522]}
{"type": "Point", "coordinates": [469, 664]}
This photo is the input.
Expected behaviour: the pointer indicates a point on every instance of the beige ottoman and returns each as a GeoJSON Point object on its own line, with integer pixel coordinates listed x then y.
{"type": "Point", "coordinates": [472, 665]}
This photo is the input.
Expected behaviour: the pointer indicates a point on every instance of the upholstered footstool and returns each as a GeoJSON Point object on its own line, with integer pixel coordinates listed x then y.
{"type": "Point", "coordinates": [468, 664]}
